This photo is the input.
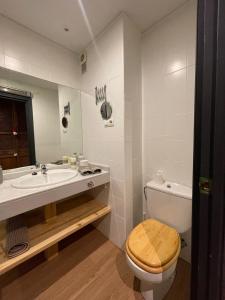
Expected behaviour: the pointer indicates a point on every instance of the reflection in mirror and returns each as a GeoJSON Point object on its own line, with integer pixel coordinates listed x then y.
{"type": "Point", "coordinates": [41, 125]}
{"type": "Point", "coordinates": [64, 122]}
{"type": "Point", "coordinates": [106, 110]}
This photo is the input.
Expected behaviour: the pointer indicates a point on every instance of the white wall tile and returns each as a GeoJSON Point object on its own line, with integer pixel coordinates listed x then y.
{"type": "Point", "coordinates": [106, 144]}
{"type": "Point", "coordinates": [113, 226]}
{"type": "Point", "coordinates": [115, 60]}
{"type": "Point", "coordinates": [191, 32]}
{"type": "Point", "coordinates": [104, 58]}
{"type": "Point", "coordinates": [175, 86]}
{"type": "Point", "coordinates": [133, 127]}
{"type": "Point", "coordinates": [190, 89]}
{"type": "Point", "coordinates": [118, 206]}
{"type": "Point", "coordinates": [168, 75]}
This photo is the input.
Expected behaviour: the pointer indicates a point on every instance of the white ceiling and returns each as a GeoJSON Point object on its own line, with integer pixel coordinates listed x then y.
{"type": "Point", "coordinates": [50, 17]}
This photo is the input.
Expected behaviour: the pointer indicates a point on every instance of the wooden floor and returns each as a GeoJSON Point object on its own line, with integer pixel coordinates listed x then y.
{"type": "Point", "coordinates": [89, 267]}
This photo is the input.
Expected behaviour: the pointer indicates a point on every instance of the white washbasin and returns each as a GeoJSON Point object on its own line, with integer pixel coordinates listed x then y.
{"type": "Point", "coordinates": [52, 177]}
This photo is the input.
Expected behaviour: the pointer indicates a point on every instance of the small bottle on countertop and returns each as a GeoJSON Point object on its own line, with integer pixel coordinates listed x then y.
{"type": "Point", "coordinates": [79, 157]}
{"type": "Point", "coordinates": [73, 164]}
{"type": "Point", "coordinates": [1, 175]}
{"type": "Point", "coordinates": [74, 155]}
{"type": "Point", "coordinates": [65, 159]}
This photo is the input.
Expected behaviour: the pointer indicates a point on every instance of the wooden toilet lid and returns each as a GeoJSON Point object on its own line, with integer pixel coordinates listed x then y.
{"type": "Point", "coordinates": [154, 245]}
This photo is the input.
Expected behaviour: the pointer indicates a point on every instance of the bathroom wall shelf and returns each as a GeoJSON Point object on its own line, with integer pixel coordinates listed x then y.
{"type": "Point", "coordinates": [48, 225]}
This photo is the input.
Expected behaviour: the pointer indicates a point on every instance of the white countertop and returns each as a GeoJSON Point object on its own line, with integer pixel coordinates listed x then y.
{"type": "Point", "coordinates": [14, 201]}
{"type": "Point", "coordinates": [9, 193]}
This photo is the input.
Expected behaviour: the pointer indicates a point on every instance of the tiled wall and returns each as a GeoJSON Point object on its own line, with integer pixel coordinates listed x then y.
{"type": "Point", "coordinates": [27, 52]}
{"type": "Point", "coordinates": [106, 145]}
{"type": "Point", "coordinates": [168, 72]}
{"type": "Point", "coordinates": [114, 60]}
{"type": "Point", "coordinates": [132, 121]}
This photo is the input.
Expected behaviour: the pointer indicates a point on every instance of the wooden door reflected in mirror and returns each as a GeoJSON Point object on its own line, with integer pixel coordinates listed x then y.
{"type": "Point", "coordinates": [14, 146]}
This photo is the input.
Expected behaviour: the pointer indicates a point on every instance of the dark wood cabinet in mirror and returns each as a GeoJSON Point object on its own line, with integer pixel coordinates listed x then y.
{"type": "Point", "coordinates": [16, 145]}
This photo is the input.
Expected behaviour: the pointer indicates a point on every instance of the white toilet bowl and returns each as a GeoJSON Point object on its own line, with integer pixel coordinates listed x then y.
{"type": "Point", "coordinates": [153, 246]}
{"type": "Point", "coordinates": [153, 286]}
{"type": "Point", "coordinates": [152, 251]}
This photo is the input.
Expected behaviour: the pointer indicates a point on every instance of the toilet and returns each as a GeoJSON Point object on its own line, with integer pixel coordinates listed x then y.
{"type": "Point", "coordinates": [153, 246]}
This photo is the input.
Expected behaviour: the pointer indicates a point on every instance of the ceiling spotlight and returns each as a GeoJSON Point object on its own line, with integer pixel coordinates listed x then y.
{"type": "Point", "coordinates": [66, 29]}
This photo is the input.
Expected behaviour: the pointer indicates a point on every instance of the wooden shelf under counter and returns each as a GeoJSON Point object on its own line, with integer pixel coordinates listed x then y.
{"type": "Point", "coordinates": [50, 224]}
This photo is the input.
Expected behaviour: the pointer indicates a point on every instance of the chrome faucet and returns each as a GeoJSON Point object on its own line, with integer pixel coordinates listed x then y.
{"type": "Point", "coordinates": [44, 169]}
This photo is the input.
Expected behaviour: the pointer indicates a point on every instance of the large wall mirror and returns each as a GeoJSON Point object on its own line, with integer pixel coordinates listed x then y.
{"type": "Point", "coordinates": [40, 121]}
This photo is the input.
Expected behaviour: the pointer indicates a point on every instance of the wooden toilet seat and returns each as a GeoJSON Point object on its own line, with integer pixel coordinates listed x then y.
{"type": "Point", "coordinates": [153, 246]}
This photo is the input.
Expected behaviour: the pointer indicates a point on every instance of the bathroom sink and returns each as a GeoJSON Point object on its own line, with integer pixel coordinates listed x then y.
{"type": "Point", "coordinates": [52, 177]}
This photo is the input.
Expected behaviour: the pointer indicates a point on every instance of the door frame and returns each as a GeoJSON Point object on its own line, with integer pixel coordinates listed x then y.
{"type": "Point", "coordinates": [13, 95]}
{"type": "Point", "coordinates": [208, 219]}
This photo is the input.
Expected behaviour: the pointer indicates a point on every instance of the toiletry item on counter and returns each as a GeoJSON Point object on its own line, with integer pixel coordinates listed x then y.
{"type": "Point", "coordinates": [65, 159]}
{"type": "Point", "coordinates": [74, 155]}
{"type": "Point", "coordinates": [85, 171]}
{"type": "Point", "coordinates": [81, 157]}
{"type": "Point", "coordinates": [16, 236]}
{"type": "Point", "coordinates": [1, 175]}
{"type": "Point", "coordinates": [84, 163]}
{"type": "Point", "coordinates": [73, 162]}
{"type": "Point", "coordinates": [89, 170]}
{"type": "Point", "coordinates": [96, 170]}
{"type": "Point", "coordinates": [84, 167]}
